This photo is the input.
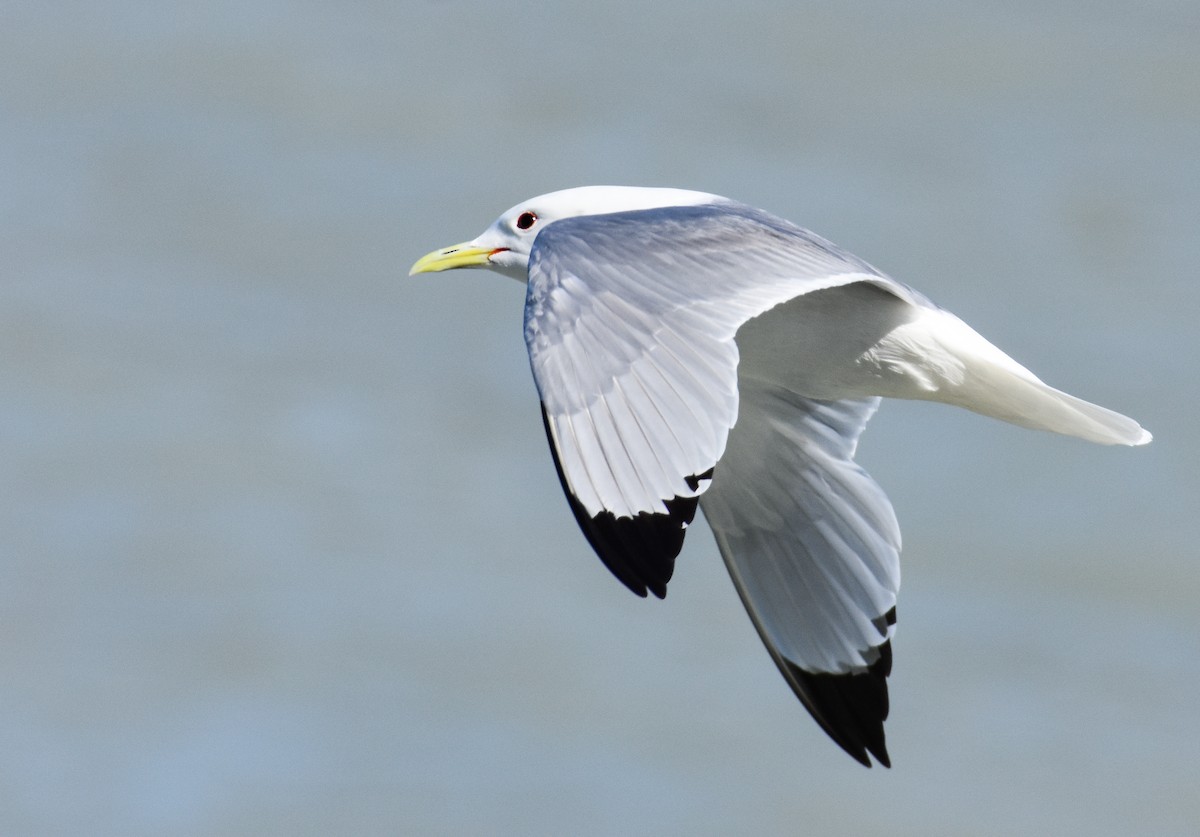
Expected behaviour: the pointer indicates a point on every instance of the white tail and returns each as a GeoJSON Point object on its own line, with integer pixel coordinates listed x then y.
{"type": "Point", "coordinates": [956, 365]}
{"type": "Point", "coordinates": [1031, 403]}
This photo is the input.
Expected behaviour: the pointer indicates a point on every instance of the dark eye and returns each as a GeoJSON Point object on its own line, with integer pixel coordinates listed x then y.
{"type": "Point", "coordinates": [526, 220]}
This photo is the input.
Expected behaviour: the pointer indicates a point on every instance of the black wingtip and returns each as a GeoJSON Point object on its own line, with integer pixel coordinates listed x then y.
{"type": "Point", "coordinates": [851, 708]}
{"type": "Point", "coordinates": [640, 551]}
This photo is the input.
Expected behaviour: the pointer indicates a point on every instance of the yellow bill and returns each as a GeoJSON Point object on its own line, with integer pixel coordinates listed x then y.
{"type": "Point", "coordinates": [448, 258]}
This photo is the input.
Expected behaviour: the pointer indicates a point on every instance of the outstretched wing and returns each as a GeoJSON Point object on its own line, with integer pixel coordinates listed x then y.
{"type": "Point", "coordinates": [630, 319]}
{"type": "Point", "coordinates": [813, 547]}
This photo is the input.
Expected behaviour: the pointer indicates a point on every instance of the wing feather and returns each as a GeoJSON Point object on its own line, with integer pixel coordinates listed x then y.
{"type": "Point", "coordinates": [631, 320]}
{"type": "Point", "coordinates": [812, 546]}
{"type": "Point", "coordinates": [650, 301]}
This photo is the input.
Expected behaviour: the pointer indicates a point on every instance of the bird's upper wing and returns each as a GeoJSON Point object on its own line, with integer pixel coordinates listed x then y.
{"type": "Point", "coordinates": [630, 321]}
{"type": "Point", "coordinates": [813, 547]}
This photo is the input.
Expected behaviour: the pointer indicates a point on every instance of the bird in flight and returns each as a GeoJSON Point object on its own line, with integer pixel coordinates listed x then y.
{"type": "Point", "coordinates": [691, 350]}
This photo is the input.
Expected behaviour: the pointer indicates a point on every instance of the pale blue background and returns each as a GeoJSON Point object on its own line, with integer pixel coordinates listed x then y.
{"type": "Point", "coordinates": [281, 547]}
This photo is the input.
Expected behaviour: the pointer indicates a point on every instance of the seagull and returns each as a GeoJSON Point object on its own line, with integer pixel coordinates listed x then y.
{"type": "Point", "coordinates": [690, 350]}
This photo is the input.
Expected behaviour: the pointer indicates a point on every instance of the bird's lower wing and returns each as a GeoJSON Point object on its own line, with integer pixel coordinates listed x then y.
{"type": "Point", "coordinates": [813, 547]}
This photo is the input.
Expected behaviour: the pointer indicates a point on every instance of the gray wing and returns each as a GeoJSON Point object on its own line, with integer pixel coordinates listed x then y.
{"type": "Point", "coordinates": [630, 321]}
{"type": "Point", "coordinates": [812, 545]}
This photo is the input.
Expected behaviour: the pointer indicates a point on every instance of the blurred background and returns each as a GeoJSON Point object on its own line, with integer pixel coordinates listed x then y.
{"type": "Point", "coordinates": [281, 546]}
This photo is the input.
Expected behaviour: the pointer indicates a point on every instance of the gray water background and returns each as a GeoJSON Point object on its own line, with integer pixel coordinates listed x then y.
{"type": "Point", "coordinates": [281, 547]}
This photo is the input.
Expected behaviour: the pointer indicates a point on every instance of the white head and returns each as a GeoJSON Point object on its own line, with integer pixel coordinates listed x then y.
{"type": "Point", "coordinates": [505, 245]}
